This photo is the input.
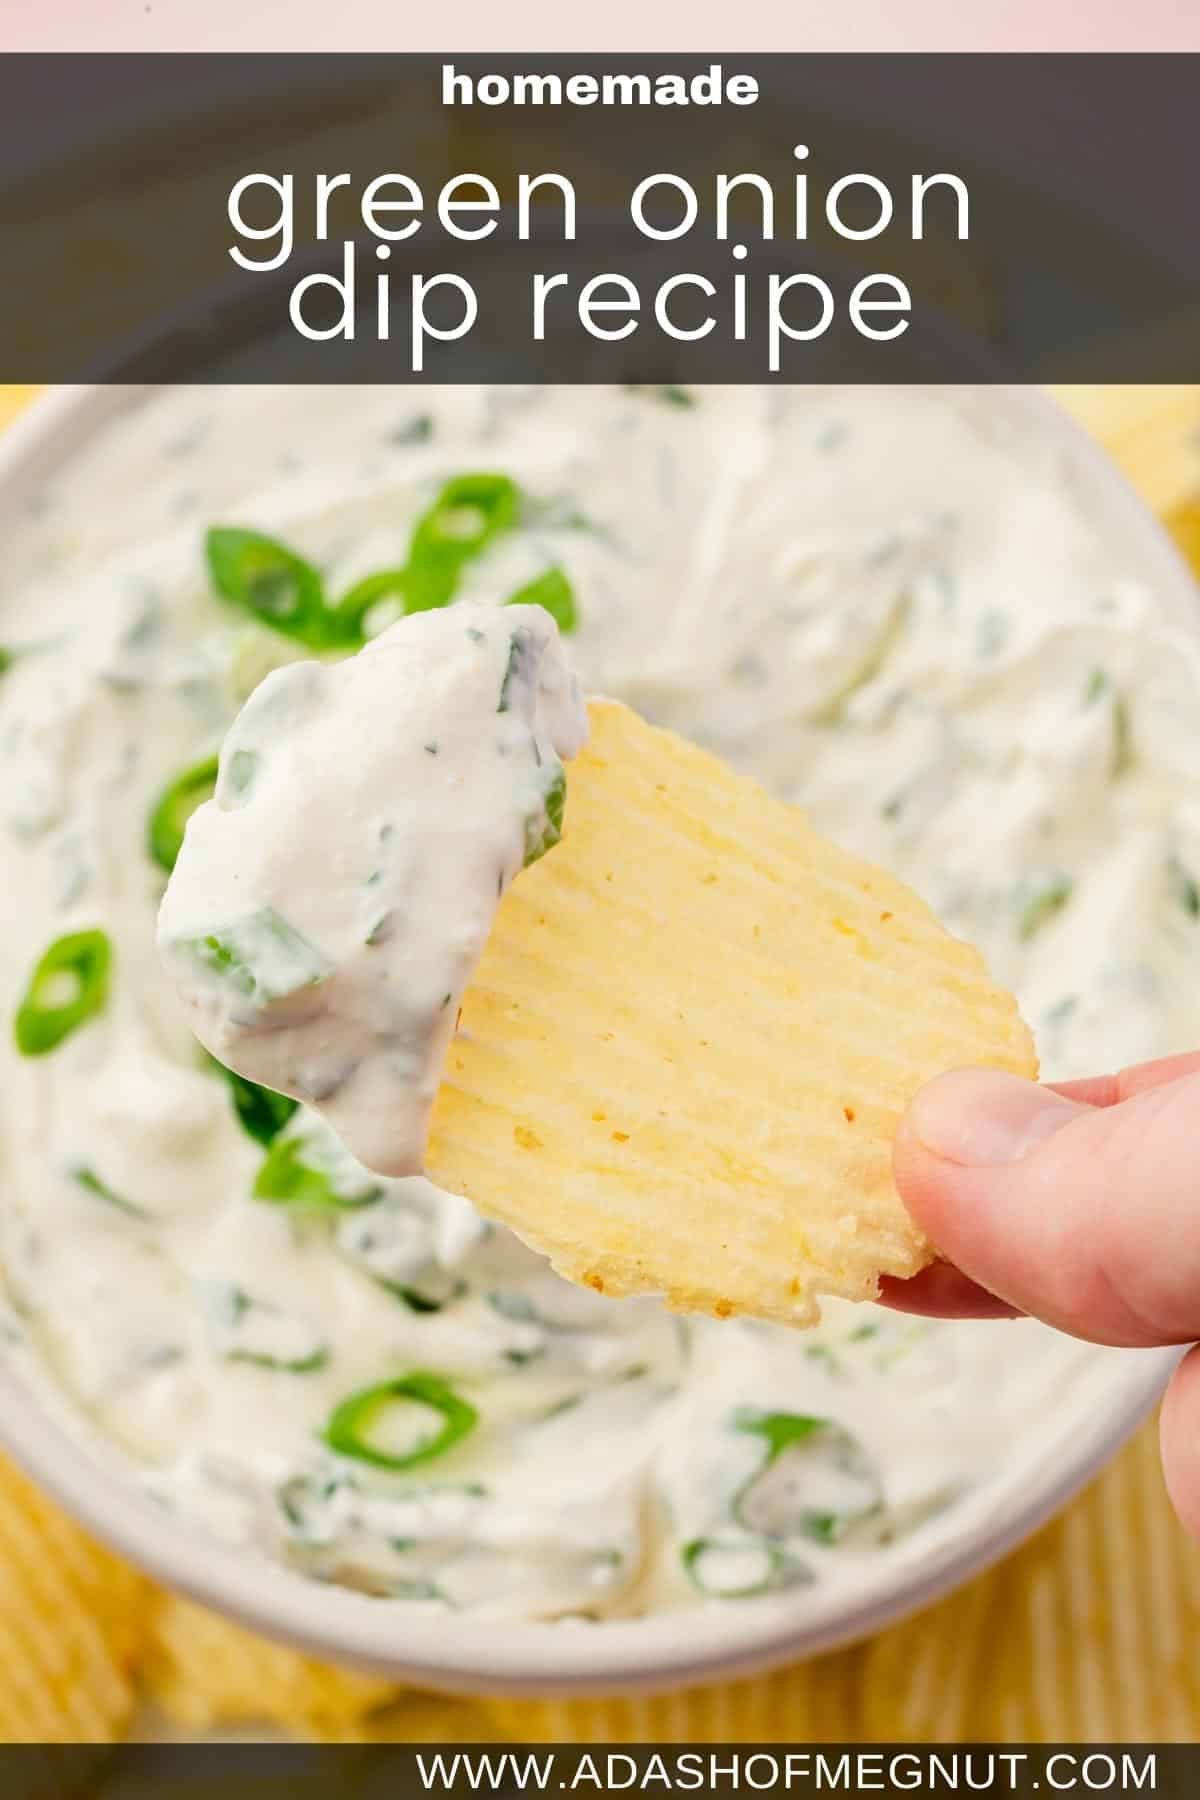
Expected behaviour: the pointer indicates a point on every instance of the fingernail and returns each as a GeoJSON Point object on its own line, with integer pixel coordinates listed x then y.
{"type": "Point", "coordinates": [981, 1118]}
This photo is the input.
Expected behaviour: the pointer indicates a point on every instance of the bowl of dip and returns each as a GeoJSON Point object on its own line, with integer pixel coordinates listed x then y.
{"type": "Point", "coordinates": [936, 618]}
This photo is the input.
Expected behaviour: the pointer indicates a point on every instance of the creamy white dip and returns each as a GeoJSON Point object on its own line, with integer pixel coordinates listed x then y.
{"type": "Point", "coordinates": [900, 608]}
{"type": "Point", "coordinates": [330, 903]}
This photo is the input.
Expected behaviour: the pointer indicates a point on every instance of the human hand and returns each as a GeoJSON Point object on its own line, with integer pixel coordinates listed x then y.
{"type": "Point", "coordinates": [1079, 1204]}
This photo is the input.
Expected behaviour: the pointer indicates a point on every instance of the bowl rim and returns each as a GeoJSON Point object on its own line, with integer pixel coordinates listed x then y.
{"type": "Point", "coordinates": [662, 1650]}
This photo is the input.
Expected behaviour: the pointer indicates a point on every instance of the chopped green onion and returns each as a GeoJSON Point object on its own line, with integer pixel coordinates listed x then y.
{"type": "Point", "coordinates": [522, 647]}
{"type": "Point", "coordinates": [544, 829]}
{"type": "Point", "coordinates": [469, 512]}
{"type": "Point", "coordinates": [436, 1292]}
{"type": "Point", "coordinates": [1184, 887]}
{"type": "Point", "coordinates": [552, 591]}
{"type": "Point", "coordinates": [415, 1588]}
{"type": "Point", "coordinates": [1041, 899]}
{"type": "Point", "coordinates": [261, 957]}
{"type": "Point", "coordinates": [877, 651]}
{"type": "Point", "coordinates": [737, 1569]}
{"type": "Point", "coordinates": [261, 1112]}
{"type": "Point", "coordinates": [1122, 736]}
{"type": "Point", "coordinates": [516, 651]}
{"type": "Point", "coordinates": [306, 1499]}
{"type": "Point", "coordinates": [12, 653]}
{"type": "Point", "coordinates": [667, 392]}
{"type": "Point", "coordinates": [68, 987]}
{"type": "Point", "coordinates": [1100, 687]}
{"type": "Point", "coordinates": [815, 1479]}
{"type": "Point", "coordinates": [520, 1309]}
{"type": "Point", "coordinates": [241, 771]}
{"type": "Point", "coordinates": [92, 1184]}
{"type": "Point", "coordinates": [357, 1426]}
{"type": "Point", "coordinates": [175, 806]}
{"type": "Point", "coordinates": [417, 430]}
{"type": "Point", "coordinates": [251, 1331]}
{"type": "Point", "coordinates": [285, 1178]}
{"type": "Point", "coordinates": [393, 1243]}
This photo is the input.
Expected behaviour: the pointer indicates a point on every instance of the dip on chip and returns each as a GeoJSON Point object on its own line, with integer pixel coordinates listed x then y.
{"type": "Point", "coordinates": [680, 1064]}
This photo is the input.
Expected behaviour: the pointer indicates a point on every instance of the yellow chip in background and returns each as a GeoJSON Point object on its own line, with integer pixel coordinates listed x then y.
{"type": "Point", "coordinates": [71, 1626]}
{"type": "Point", "coordinates": [204, 1671]}
{"type": "Point", "coordinates": [682, 1061]}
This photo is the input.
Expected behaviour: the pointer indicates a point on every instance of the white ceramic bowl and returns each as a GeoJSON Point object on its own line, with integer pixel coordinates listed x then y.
{"type": "Point", "coordinates": [666, 1650]}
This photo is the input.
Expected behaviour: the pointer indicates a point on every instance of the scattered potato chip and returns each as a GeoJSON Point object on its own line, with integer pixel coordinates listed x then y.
{"type": "Point", "coordinates": [71, 1624]}
{"type": "Point", "coordinates": [1071, 1639]}
{"type": "Point", "coordinates": [685, 1053]}
{"type": "Point", "coordinates": [205, 1671]}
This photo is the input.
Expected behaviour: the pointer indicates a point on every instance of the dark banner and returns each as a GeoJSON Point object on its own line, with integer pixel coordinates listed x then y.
{"type": "Point", "coordinates": [696, 218]}
{"type": "Point", "coordinates": [408, 1772]}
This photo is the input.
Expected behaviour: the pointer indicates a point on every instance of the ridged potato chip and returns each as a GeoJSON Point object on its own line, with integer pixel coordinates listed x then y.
{"type": "Point", "coordinates": [204, 1671]}
{"type": "Point", "coordinates": [71, 1626]}
{"type": "Point", "coordinates": [682, 1061]}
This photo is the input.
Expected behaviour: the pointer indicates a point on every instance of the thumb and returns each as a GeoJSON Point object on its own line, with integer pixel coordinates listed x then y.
{"type": "Point", "coordinates": [1084, 1215]}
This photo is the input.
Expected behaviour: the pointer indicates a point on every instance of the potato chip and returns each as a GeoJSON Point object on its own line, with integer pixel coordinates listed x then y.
{"type": "Point", "coordinates": [694, 1029]}
{"type": "Point", "coordinates": [204, 1671]}
{"type": "Point", "coordinates": [71, 1625]}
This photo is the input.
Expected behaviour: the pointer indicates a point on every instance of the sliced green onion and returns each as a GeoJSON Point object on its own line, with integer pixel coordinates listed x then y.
{"type": "Point", "coordinates": [279, 587]}
{"type": "Point", "coordinates": [92, 1184]}
{"type": "Point", "coordinates": [68, 987]}
{"type": "Point", "coordinates": [554, 592]}
{"type": "Point", "coordinates": [287, 592]}
{"type": "Point", "coordinates": [356, 1427]}
{"type": "Point", "coordinates": [469, 512]}
{"type": "Point", "coordinates": [175, 806]}
{"type": "Point", "coordinates": [739, 1569]}
{"type": "Point", "coordinates": [353, 607]}
{"type": "Point", "coordinates": [261, 1112]}
{"type": "Point", "coordinates": [780, 1430]}
{"type": "Point", "coordinates": [286, 1178]}
{"type": "Point", "coordinates": [261, 957]}
{"type": "Point", "coordinates": [815, 1480]}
